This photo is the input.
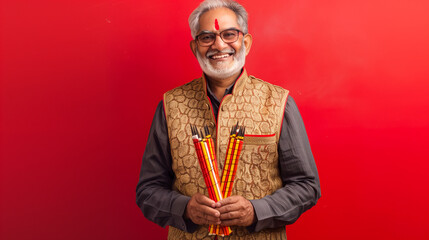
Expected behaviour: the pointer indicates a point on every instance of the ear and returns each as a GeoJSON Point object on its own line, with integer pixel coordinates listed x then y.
{"type": "Point", "coordinates": [193, 46]}
{"type": "Point", "coordinates": [248, 39]}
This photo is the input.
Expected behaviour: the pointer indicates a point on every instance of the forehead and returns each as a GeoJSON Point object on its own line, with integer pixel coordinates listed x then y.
{"type": "Point", "coordinates": [226, 19]}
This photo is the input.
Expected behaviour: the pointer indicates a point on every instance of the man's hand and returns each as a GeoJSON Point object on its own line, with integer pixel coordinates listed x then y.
{"type": "Point", "coordinates": [236, 210]}
{"type": "Point", "coordinates": [200, 210]}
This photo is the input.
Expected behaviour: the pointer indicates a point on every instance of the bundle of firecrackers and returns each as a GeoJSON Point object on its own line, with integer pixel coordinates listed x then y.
{"type": "Point", "coordinates": [218, 186]}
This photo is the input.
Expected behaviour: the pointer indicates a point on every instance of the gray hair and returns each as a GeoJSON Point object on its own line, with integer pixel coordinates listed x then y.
{"type": "Point", "coordinates": [194, 18]}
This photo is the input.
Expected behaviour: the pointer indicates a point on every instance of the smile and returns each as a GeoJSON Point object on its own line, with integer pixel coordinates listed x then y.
{"type": "Point", "coordinates": [216, 57]}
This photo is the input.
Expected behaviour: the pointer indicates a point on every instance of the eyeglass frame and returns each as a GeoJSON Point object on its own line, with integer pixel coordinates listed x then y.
{"type": "Point", "coordinates": [219, 33]}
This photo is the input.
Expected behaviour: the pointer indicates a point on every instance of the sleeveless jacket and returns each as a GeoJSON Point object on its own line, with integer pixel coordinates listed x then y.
{"type": "Point", "coordinates": [257, 105]}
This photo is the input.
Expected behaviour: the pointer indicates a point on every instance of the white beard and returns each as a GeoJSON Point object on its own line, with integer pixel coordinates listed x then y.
{"type": "Point", "coordinates": [221, 71]}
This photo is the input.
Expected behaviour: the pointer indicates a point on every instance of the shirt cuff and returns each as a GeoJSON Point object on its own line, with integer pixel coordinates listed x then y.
{"type": "Point", "coordinates": [178, 210]}
{"type": "Point", "coordinates": [262, 210]}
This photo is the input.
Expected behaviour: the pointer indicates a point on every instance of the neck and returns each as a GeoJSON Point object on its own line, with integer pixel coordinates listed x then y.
{"type": "Point", "coordinates": [218, 86]}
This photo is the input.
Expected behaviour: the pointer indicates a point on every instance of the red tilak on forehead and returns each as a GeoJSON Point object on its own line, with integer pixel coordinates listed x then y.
{"type": "Point", "coordinates": [216, 24]}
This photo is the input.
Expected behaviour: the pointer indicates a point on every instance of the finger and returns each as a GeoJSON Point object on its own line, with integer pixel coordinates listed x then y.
{"type": "Point", "coordinates": [198, 211]}
{"type": "Point", "coordinates": [202, 220]}
{"type": "Point", "coordinates": [231, 215]}
{"type": "Point", "coordinates": [206, 211]}
{"type": "Point", "coordinates": [204, 200]}
{"type": "Point", "coordinates": [228, 200]}
{"type": "Point", "coordinates": [207, 215]}
{"type": "Point", "coordinates": [229, 208]}
{"type": "Point", "coordinates": [237, 219]}
{"type": "Point", "coordinates": [232, 222]}
{"type": "Point", "coordinates": [211, 220]}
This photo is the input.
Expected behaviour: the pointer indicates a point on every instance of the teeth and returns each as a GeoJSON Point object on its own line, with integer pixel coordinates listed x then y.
{"type": "Point", "coordinates": [220, 56]}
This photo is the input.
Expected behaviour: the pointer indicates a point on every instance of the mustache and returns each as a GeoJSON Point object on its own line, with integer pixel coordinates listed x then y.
{"type": "Point", "coordinates": [214, 52]}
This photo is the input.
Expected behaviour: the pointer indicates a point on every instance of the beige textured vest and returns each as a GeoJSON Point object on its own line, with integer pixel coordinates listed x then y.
{"type": "Point", "coordinates": [255, 104]}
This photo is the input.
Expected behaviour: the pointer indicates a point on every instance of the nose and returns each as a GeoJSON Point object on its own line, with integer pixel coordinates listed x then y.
{"type": "Point", "coordinates": [219, 44]}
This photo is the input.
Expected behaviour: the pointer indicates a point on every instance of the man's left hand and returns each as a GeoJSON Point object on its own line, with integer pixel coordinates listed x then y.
{"type": "Point", "coordinates": [236, 211]}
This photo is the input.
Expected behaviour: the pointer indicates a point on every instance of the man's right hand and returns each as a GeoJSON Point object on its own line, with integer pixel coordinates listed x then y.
{"type": "Point", "coordinates": [201, 210]}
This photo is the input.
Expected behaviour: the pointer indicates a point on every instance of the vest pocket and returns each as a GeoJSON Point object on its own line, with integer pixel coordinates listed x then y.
{"type": "Point", "coordinates": [259, 139]}
{"type": "Point", "coordinates": [260, 147]}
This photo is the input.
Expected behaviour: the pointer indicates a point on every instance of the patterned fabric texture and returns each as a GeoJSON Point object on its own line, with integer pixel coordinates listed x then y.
{"type": "Point", "coordinates": [257, 105]}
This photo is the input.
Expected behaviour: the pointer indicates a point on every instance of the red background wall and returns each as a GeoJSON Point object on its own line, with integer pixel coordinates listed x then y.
{"type": "Point", "coordinates": [80, 81]}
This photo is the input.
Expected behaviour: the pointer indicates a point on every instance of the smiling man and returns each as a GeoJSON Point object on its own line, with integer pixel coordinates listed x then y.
{"type": "Point", "coordinates": [276, 179]}
{"type": "Point", "coordinates": [223, 59]}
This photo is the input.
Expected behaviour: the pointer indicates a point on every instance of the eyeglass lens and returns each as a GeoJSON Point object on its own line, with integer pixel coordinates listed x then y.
{"type": "Point", "coordinates": [228, 36]}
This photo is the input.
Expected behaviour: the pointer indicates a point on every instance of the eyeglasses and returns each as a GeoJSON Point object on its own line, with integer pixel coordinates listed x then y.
{"type": "Point", "coordinates": [206, 39]}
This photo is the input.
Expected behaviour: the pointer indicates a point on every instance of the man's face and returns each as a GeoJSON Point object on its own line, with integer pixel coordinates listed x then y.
{"type": "Point", "coordinates": [221, 60]}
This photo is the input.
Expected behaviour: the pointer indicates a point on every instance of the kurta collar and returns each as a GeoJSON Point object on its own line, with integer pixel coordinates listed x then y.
{"type": "Point", "coordinates": [239, 83]}
{"type": "Point", "coordinates": [228, 90]}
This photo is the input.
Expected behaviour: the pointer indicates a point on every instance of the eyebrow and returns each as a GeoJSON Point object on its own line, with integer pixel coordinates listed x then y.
{"type": "Point", "coordinates": [205, 31]}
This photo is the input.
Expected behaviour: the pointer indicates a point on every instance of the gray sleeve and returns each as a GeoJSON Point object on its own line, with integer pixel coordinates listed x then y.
{"type": "Point", "coordinates": [154, 195]}
{"type": "Point", "coordinates": [301, 187]}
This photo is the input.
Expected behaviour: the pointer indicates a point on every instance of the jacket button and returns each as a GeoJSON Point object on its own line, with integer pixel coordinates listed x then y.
{"type": "Point", "coordinates": [212, 125]}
